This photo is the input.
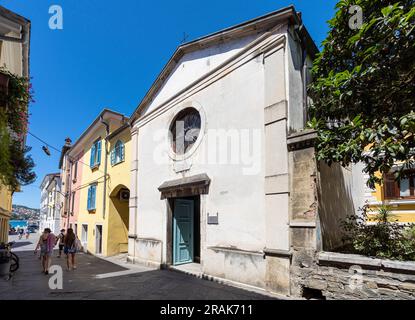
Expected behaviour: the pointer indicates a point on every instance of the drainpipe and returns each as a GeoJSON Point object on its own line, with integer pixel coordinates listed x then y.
{"type": "Point", "coordinates": [104, 200]}
{"type": "Point", "coordinates": [68, 193]}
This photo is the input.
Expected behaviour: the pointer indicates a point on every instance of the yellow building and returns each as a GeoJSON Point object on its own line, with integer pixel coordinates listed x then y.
{"type": "Point", "coordinates": [398, 196]}
{"type": "Point", "coordinates": [5, 212]}
{"type": "Point", "coordinates": [14, 56]}
{"type": "Point", "coordinates": [100, 201]}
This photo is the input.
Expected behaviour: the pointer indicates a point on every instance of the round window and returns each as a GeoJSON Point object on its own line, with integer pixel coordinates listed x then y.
{"type": "Point", "coordinates": [185, 130]}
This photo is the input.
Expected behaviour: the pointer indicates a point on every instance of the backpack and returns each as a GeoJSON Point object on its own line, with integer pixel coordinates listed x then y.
{"type": "Point", "coordinates": [78, 245]}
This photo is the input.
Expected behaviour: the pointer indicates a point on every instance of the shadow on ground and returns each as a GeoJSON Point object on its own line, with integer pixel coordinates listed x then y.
{"type": "Point", "coordinates": [21, 244]}
{"type": "Point", "coordinates": [30, 283]}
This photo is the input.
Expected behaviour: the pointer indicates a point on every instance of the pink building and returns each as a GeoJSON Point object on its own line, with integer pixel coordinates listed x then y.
{"type": "Point", "coordinates": [71, 173]}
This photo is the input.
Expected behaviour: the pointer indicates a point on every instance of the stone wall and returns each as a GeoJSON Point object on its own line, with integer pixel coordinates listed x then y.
{"type": "Point", "coordinates": [328, 275]}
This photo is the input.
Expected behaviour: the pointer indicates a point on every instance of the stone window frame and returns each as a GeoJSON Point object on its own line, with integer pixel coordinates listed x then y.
{"type": "Point", "coordinates": [203, 125]}
{"type": "Point", "coordinates": [118, 151]}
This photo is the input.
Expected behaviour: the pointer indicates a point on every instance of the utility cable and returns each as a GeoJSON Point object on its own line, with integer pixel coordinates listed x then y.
{"type": "Point", "coordinates": [56, 149]}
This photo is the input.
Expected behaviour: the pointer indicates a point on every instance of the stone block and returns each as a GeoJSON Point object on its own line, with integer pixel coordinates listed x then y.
{"type": "Point", "coordinates": [387, 292]}
{"type": "Point", "coordinates": [276, 214]}
{"type": "Point", "coordinates": [407, 286]}
{"type": "Point", "coordinates": [335, 286]}
{"type": "Point", "coordinates": [354, 259]}
{"type": "Point", "coordinates": [317, 284]}
{"type": "Point", "coordinates": [274, 78]}
{"type": "Point", "coordinates": [277, 275]}
{"type": "Point", "coordinates": [407, 266]}
{"type": "Point", "coordinates": [371, 285]}
{"type": "Point", "coordinates": [387, 285]}
{"type": "Point", "coordinates": [303, 237]}
{"type": "Point", "coordinates": [276, 155]}
{"type": "Point", "coordinates": [276, 112]}
{"type": "Point", "coordinates": [277, 184]}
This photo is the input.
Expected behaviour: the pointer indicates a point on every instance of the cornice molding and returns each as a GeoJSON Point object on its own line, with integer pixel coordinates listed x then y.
{"type": "Point", "coordinates": [271, 40]}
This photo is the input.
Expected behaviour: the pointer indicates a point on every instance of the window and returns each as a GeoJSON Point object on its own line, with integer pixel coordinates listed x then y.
{"type": "Point", "coordinates": [95, 159]}
{"type": "Point", "coordinates": [84, 234]}
{"type": "Point", "coordinates": [117, 154]}
{"type": "Point", "coordinates": [75, 171]}
{"type": "Point", "coordinates": [92, 191]}
{"type": "Point", "coordinates": [404, 188]}
{"type": "Point", "coordinates": [185, 130]}
{"type": "Point", "coordinates": [73, 202]}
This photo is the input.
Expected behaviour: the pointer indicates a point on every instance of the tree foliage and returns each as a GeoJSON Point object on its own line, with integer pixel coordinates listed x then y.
{"type": "Point", "coordinates": [364, 88]}
{"type": "Point", "coordinates": [16, 167]}
{"type": "Point", "coordinates": [384, 238]}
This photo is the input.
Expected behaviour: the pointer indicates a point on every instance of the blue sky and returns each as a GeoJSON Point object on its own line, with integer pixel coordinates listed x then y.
{"type": "Point", "coordinates": [109, 53]}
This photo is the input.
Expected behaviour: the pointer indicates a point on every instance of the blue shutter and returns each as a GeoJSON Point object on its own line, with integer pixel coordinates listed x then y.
{"type": "Point", "coordinates": [94, 191]}
{"type": "Point", "coordinates": [122, 151]}
{"type": "Point", "coordinates": [113, 151]}
{"type": "Point", "coordinates": [99, 152]}
{"type": "Point", "coordinates": [89, 199]}
{"type": "Point", "coordinates": [92, 158]}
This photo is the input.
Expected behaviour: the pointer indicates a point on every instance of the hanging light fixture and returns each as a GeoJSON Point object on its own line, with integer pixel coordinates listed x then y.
{"type": "Point", "coordinates": [46, 150]}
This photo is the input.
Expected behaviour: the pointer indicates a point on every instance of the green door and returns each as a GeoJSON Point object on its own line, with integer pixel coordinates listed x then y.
{"type": "Point", "coordinates": [183, 231]}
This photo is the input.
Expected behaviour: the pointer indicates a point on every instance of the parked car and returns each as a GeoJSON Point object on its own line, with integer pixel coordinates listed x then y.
{"type": "Point", "coordinates": [32, 230]}
{"type": "Point", "coordinates": [33, 227]}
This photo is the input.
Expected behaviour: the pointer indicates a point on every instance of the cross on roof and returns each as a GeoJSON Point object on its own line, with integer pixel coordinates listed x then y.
{"type": "Point", "coordinates": [185, 37]}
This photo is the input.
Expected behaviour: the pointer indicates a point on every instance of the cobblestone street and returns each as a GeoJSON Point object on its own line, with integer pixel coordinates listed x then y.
{"type": "Point", "coordinates": [97, 278]}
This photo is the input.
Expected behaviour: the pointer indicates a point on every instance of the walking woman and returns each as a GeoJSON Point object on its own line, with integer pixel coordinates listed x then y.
{"type": "Point", "coordinates": [46, 243]}
{"type": "Point", "coordinates": [70, 248]}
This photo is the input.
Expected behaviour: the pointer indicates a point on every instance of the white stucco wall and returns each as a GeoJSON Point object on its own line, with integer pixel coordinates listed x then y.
{"type": "Point", "coordinates": [194, 65]}
{"type": "Point", "coordinates": [342, 193]}
{"type": "Point", "coordinates": [232, 194]}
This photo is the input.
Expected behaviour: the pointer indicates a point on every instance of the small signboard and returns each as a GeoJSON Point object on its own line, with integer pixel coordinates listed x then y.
{"type": "Point", "coordinates": [213, 219]}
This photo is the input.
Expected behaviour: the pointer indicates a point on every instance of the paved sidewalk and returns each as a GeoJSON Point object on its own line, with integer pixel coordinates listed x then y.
{"type": "Point", "coordinates": [24, 244]}
{"type": "Point", "coordinates": [97, 278]}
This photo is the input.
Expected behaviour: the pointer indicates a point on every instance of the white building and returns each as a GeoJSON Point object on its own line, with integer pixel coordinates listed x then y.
{"type": "Point", "coordinates": [212, 173]}
{"type": "Point", "coordinates": [51, 201]}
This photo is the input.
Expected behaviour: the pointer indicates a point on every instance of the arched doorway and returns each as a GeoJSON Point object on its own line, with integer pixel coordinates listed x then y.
{"type": "Point", "coordinates": [118, 220]}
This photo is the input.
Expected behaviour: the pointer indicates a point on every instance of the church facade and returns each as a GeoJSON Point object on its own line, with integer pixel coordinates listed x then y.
{"type": "Point", "coordinates": [222, 167]}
